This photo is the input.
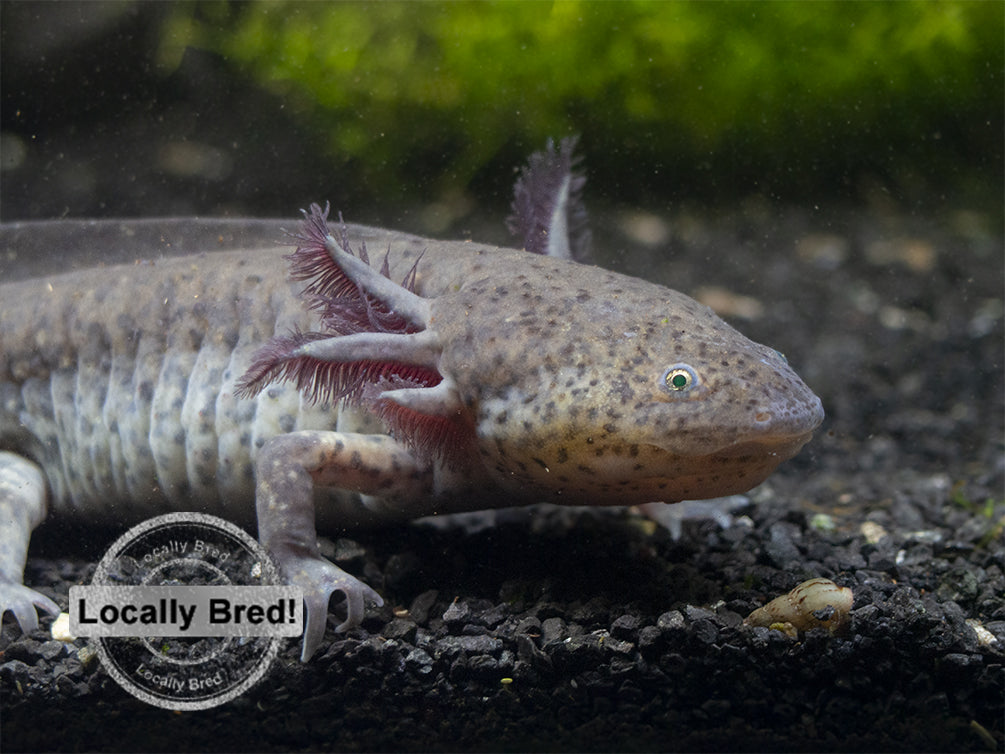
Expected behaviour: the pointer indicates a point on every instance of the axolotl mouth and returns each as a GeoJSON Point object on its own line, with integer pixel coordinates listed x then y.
{"type": "Point", "coordinates": [779, 447]}
{"type": "Point", "coordinates": [672, 474]}
{"type": "Point", "coordinates": [776, 434]}
{"type": "Point", "coordinates": [647, 473]}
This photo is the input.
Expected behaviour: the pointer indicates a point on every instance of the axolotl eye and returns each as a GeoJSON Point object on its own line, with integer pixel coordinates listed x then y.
{"type": "Point", "coordinates": [678, 380]}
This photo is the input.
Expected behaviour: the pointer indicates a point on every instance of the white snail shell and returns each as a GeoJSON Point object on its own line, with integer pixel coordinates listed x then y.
{"type": "Point", "coordinates": [817, 603]}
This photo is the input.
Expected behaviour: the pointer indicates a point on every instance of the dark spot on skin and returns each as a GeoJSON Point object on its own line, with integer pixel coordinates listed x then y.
{"type": "Point", "coordinates": [501, 418]}
{"type": "Point", "coordinates": [500, 447]}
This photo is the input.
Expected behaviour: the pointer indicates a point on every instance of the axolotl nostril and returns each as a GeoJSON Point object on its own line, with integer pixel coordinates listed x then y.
{"type": "Point", "coordinates": [450, 377]}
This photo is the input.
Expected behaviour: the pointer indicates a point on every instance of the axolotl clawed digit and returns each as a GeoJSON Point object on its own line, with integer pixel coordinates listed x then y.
{"type": "Point", "coordinates": [449, 377]}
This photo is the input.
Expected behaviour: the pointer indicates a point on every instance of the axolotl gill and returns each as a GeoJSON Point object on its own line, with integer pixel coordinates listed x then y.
{"type": "Point", "coordinates": [449, 377]}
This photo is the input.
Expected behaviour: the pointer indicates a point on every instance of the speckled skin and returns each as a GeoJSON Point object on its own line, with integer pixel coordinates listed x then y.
{"type": "Point", "coordinates": [561, 367]}
{"type": "Point", "coordinates": [117, 388]}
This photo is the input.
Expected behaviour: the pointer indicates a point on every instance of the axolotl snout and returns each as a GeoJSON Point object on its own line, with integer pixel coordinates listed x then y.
{"type": "Point", "coordinates": [486, 377]}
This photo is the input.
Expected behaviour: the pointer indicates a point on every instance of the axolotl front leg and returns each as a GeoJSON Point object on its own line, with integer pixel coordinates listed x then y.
{"type": "Point", "coordinates": [378, 353]}
{"type": "Point", "coordinates": [23, 496]}
{"type": "Point", "coordinates": [289, 467]}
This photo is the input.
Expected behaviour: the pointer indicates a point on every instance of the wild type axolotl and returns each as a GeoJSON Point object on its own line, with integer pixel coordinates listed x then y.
{"type": "Point", "coordinates": [486, 377]}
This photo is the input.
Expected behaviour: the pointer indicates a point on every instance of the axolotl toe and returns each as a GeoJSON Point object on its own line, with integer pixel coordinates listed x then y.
{"type": "Point", "coordinates": [450, 377]}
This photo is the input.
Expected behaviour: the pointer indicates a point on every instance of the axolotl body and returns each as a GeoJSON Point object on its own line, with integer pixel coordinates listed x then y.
{"type": "Point", "coordinates": [452, 377]}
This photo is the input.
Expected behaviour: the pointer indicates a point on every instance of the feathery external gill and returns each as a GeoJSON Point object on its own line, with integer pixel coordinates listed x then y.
{"type": "Point", "coordinates": [549, 216]}
{"type": "Point", "coordinates": [374, 349]}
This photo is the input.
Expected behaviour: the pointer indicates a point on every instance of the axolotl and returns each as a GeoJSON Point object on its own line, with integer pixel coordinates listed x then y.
{"type": "Point", "coordinates": [451, 376]}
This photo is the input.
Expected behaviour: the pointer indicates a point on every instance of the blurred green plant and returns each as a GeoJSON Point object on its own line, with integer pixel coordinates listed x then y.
{"type": "Point", "coordinates": [779, 97]}
{"type": "Point", "coordinates": [988, 510]}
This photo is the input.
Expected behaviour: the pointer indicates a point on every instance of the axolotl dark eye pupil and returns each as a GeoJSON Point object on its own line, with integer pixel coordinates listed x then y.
{"type": "Point", "coordinates": [678, 378]}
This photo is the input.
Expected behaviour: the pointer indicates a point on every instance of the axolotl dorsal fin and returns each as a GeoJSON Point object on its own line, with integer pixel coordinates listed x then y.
{"type": "Point", "coordinates": [548, 213]}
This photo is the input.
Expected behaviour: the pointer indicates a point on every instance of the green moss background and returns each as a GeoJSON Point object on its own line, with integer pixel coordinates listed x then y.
{"type": "Point", "coordinates": [719, 98]}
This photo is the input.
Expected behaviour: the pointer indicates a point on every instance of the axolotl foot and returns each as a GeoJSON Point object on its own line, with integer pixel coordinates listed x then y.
{"type": "Point", "coordinates": [21, 601]}
{"type": "Point", "coordinates": [673, 516]}
{"type": "Point", "coordinates": [319, 579]}
{"type": "Point", "coordinates": [22, 508]}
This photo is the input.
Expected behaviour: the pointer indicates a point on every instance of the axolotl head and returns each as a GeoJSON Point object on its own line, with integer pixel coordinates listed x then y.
{"type": "Point", "coordinates": [588, 386]}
